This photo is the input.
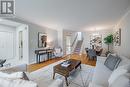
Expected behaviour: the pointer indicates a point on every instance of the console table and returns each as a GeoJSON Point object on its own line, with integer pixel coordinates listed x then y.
{"type": "Point", "coordinates": [46, 51]}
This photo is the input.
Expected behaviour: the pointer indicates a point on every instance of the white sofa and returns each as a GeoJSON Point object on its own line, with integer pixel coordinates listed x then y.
{"type": "Point", "coordinates": [23, 68]}
{"type": "Point", "coordinates": [102, 73]}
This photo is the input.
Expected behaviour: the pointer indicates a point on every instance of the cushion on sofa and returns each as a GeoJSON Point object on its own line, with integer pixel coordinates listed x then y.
{"type": "Point", "coordinates": [122, 81]}
{"type": "Point", "coordinates": [124, 60]}
{"type": "Point", "coordinates": [112, 62]}
{"type": "Point", "coordinates": [125, 66]}
{"type": "Point", "coordinates": [17, 68]}
{"type": "Point", "coordinates": [101, 73]}
{"type": "Point", "coordinates": [5, 82]}
{"type": "Point", "coordinates": [115, 74]}
{"type": "Point", "coordinates": [15, 75]}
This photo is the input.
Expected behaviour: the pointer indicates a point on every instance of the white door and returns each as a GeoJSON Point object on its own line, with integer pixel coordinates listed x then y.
{"type": "Point", "coordinates": [22, 44]}
{"type": "Point", "coordinates": [6, 45]}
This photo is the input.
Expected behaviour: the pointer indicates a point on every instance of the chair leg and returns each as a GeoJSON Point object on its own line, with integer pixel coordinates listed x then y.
{"type": "Point", "coordinates": [96, 58]}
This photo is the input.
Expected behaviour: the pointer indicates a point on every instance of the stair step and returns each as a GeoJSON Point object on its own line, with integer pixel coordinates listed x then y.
{"type": "Point", "coordinates": [78, 47]}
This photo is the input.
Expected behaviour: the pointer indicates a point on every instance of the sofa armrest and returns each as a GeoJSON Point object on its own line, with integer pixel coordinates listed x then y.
{"type": "Point", "coordinates": [57, 83]}
{"type": "Point", "coordinates": [100, 58]}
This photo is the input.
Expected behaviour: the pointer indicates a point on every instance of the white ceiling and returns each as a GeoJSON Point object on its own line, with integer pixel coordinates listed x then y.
{"type": "Point", "coordinates": [72, 14]}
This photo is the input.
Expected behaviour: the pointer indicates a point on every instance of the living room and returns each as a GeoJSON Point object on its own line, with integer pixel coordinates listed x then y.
{"type": "Point", "coordinates": [65, 43]}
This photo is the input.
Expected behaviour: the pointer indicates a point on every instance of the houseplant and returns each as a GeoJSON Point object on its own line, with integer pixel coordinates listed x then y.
{"type": "Point", "coordinates": [108, 40]}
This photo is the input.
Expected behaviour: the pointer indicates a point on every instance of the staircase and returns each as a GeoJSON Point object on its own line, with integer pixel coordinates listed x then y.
{"type": "Point", "coordinates": [78, 47]}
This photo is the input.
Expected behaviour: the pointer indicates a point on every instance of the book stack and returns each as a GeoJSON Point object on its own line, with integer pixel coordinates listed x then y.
{"type": "Point", "coordinates": [65, 63]}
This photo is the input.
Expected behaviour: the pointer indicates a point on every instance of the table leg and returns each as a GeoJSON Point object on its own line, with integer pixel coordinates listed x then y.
{"type": "Point", "coordinates": [51, 54]}
{"type": "Point", "coordinates": [80, 66]}
{"type": "Point", "coordinates": [48, 55]}
{"type": "Point", "coordinates": [66, 81]}
{"type": "Point", "coordinates": [37, 58]}
{"type": "Point", "coordinates": [54, 75]}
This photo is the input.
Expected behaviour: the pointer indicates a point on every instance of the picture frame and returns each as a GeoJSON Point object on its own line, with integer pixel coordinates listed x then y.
{"type": "Point", "coordinates": [117, 37]}
{"type": "Point", "coordinates": [95, 41]}
{"type": "Point", "coordinates": [42, 40]}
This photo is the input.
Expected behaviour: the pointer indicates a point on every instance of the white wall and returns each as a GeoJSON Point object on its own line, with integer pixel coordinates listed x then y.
{"type": "Point", "coordinates": [124, 24]}
{"type": "Point", "coordinates": [8, 49]}
{"type": "Point", "coordinates": [60, 38]}
{"type": "Point", "coordinates": [52, 35]}
{"type": "Point", "coordinates": [104, 33]}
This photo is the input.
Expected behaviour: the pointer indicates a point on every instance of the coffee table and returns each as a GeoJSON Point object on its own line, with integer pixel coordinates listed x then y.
{"type": "Point", "coordinates": [66, 71]}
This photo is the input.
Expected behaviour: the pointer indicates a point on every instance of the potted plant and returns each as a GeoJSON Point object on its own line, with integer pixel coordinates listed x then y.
{"type": "Point", "coordinates": [108, 40]}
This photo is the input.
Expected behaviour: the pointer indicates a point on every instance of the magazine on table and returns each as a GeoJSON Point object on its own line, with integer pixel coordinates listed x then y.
{"type": "Point", "coordinates": [65, 63]}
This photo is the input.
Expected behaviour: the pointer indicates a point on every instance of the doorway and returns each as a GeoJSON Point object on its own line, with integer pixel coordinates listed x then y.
{"type": "Point", "coordinates": [22, 43]}
{"type": "Point", "coordinates": [68, 44]}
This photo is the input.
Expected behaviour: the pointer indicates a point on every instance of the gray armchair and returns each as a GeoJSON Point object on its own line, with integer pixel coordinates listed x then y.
{"type": "Point", "coordinates": [92, 54]}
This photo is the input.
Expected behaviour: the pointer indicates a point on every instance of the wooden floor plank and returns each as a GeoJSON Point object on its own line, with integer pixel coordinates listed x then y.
{"type": "Point", "coordinates": [81, 57]}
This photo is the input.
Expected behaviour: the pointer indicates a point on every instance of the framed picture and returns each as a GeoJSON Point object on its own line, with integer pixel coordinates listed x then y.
{"type": "Point", "coordinates": [117, 37]}
{"type": "Point", "coordinates": [95, 41]}
{"type": "Point", "coordinates": [42, 39]}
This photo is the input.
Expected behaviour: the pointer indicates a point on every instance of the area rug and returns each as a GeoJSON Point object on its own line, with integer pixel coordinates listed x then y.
{"type": "Point", "coordinates": [79, 78]}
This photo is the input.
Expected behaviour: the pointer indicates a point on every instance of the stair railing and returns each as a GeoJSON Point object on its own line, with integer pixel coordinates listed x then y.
{"type": "Point", "coordinates": [82, 46]}
{"type": "Point", "coordinates": [74, 40]}
{"type": "Point", "coordinates": [72, 46]}
{"type": "Point", "coordinates": [74, 43]}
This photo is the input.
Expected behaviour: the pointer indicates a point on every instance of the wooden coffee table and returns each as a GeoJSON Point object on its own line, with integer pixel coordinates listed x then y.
{"type": "Point", "coordinates": [65, 71]}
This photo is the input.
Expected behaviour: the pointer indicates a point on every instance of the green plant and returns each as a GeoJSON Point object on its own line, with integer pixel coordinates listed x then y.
{"type": "Point", "coordinates": [108, 40]}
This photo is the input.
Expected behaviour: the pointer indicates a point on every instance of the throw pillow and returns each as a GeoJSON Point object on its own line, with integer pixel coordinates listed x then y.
{"type": "Point", "coordinates": [15, 75]}
{"type": "Point", "coordinates": [112, 62]}
{"type": "Point", "coordinates": [122, 81]}
{"type": "Point", "coordinates": [4, 82]}
{"type": "Point", "coordinates": [115, 74]}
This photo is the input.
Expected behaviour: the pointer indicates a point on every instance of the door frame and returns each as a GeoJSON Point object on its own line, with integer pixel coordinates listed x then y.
{"type": "Point", "coordinates": [24, 28]}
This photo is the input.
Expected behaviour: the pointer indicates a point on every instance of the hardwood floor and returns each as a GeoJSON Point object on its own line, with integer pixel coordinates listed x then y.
{"type": "Point", "coordinates": [81, 57]}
